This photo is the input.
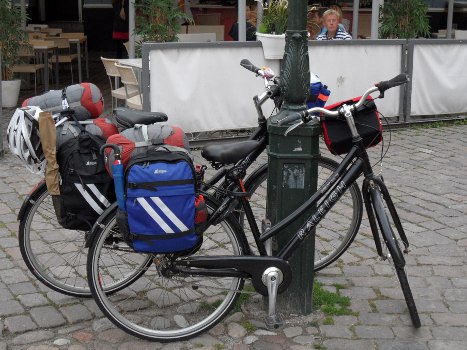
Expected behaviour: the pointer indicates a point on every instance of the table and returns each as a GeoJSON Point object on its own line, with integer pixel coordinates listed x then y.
{"type": "Point", "coordinates": [42, 47]}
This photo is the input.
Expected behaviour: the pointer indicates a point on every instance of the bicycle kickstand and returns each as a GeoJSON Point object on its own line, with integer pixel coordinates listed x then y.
{"type": "Point", "coordinates": [272, 278]}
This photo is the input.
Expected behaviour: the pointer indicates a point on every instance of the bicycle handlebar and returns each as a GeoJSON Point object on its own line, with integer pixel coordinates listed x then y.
{"type": "Point", "coordinates": [249, 66]}
{"type": "Point", "coordinates": [308, 114]}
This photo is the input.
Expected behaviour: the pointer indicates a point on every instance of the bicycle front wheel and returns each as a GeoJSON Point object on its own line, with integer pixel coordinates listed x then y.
{"type": "Point", "coordinates": [335, 232]}
{"type": "Point", "coordinates": [394, 253]}
{"type": "Point", "coordinates": [165, 304]}
{"type": "Point", "coordinates": [54, 255]}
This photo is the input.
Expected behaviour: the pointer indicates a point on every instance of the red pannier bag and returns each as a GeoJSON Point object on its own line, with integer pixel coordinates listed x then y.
{"type": "Point", "coordinates": [337, 135]}
{"type": "Point", "coordinates": [136, 140]}
{"type": "Point", "coordinates": [100, 127]}
{"type": "Point", "coordinates": [85, 99]}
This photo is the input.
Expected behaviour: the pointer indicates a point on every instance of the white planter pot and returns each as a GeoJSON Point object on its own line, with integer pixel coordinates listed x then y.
{"type": "Point", "coordinates": [273, 45]}
{"type": "Point", "coordinates": [10, 93]}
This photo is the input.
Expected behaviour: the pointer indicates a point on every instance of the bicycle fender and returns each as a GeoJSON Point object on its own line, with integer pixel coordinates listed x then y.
{"type": "Point", "coordinates": [30, 199]}
{"type": "Point", "coordinates": [97, 225]}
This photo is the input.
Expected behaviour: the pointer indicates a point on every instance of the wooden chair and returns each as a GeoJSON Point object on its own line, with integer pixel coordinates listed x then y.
{"type": "Point", "coordinates": [31, 67]}
{"type": "Point", "coordinates": [113, 74]}
{"type": "Point", "coordinates": [64, 53]}
{"type": "Point", "coordinates": [128, 77]}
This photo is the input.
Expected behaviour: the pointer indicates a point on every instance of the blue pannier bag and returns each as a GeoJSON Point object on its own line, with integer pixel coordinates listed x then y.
{"type": "Point", "coordinates": [160, 189]}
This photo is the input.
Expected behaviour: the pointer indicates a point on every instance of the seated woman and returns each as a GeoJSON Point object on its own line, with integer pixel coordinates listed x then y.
{"type": "Point", "coordinates": [333, 30]}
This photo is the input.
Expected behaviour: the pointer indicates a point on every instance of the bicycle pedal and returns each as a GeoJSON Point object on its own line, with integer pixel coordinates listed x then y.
{"type": "Point", "coordinates": [274, 321]}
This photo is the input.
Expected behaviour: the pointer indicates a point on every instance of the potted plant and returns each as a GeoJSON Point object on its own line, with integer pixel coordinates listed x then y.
{"type": "Point", "coordinates": [272, 29]}
{"type": "Point", "coordinates": [159, 20]}
{"type": "Point", "coordinates": [11, 36]}
{"type": "Point", "coordinates": [404, 19]}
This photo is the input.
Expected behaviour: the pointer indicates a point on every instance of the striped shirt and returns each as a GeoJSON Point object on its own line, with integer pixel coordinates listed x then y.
{"type": "Point", "coordinates": [340, 35]}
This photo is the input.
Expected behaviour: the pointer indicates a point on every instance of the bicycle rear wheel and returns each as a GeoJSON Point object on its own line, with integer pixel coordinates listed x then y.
{"type": "Point", "coordinates": [57, 256]}
{"type": "Point", "coordinates": [335, 232]}
{"type": "Point", "coordinates": [166, 304]}
{"type": "Point", "coordinates": [395, 255]}
{"type": "Point", "coordinates": [54, 255]}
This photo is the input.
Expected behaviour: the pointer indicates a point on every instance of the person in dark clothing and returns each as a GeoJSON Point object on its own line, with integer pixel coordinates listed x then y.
{"type": "Point", "coordinates": [120, 32]}
{"type": "Point", "coordinates": [250, 28]}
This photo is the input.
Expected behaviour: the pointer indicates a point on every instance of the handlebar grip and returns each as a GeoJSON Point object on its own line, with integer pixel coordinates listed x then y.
{"type": "Point", "coordinates": [292, 117]}
{"type": "Point", "coordinates": [396, 81]}
{"type": "Point", "coordinates": [248, 65]}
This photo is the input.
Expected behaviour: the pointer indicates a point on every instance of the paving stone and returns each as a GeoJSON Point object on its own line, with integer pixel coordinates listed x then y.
{"type": "Point", "coordinates": [112, 335]}
{"type": "Point", "coordinates": [410, 333]}
{"type": "Point", "coordinates": [47, 316]}
{"type": "Point", "coordinates": [402, 345]}
{"type": "Point", "coordinates": [5, 295]}
{"type": "Point", "coordinates": [358, 293]}
{"type": "Point", "coordinates": [22, 288]}
{"type": "Point", "coordinates": [33, 337]}
{"type": "Point", "coordinates": [346, 344]}
{"type": "Point", "coordinates": [373, 332]}
{"type": "Point", "coordinates": [76, 313]}
{"type": "Point", "coordinates": [83, 336]}
{"type": "Point", "coordinates": [449, 333]}
{"type": "Point", "coordinates": [139, 345]}
{"type": "Point", "coordinates": [263, 345]}
{"type": "Point", "coordinates": [19, 324]}
{"type": "Point", "coordinates": [446, 344]}
{"type": "Point", "coordinates": [336, 332]}
{"type": "Point", "coordinates": [235, 330]}
{"type": "Point", "coordinates": [291, 332]}
{"type": "Point", "coordinates": [12, 276]}
{"type": "Point", "coordinates": [12, 307]}
{"type": "Point", "coordinates": [31, 300]}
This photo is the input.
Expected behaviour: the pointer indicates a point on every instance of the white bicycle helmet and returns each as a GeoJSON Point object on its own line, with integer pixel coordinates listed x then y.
{"type": "Point", "coordinates": [23, 138]}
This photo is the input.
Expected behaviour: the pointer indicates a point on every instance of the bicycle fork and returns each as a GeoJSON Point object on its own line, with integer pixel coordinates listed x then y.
{"type": "Point", "coordinates": [377, 184]}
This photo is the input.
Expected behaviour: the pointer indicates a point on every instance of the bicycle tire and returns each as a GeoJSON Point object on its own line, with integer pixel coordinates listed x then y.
{"type": "Point", "coordinates": [345, 216]}
{"type": "Point", "coordinates": [54, 255]}
{"type": "Point", "coordinates": [396, 255]}
{"type": "Point", "coordinates": [165, 305]}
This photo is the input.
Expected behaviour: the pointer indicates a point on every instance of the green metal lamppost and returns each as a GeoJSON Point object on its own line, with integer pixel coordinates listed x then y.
{"type": "Point", "coordinates": [292, 175]}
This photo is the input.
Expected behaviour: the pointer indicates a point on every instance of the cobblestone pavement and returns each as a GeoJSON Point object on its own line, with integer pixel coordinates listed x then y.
{"type": "Point", "coordinates": [425, 170]}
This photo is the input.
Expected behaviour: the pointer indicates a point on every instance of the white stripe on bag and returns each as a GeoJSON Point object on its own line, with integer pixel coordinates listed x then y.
{"type": "Point", "coordinates": [89, 199]}
{"type": "Point", "coordinates": [172, 217]}
{"type": "Point", "coordinates": [152, 213]}
{"type": "Point", "coordinates": [99, 195]}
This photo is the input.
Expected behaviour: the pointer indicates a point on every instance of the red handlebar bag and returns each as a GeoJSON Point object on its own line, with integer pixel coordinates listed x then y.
{"type": "Point", "coordinates": [85, 99]}
{"type": "Point", "coordinates": [337, 135]}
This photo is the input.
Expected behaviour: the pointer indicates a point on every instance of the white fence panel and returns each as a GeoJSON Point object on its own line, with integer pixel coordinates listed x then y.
{"type": "Point", "coordinates": [205, 88]}
{"type": "Point", "coordinates": [348, 70]}
{"type": "Point", "coordinates": [439, 79]}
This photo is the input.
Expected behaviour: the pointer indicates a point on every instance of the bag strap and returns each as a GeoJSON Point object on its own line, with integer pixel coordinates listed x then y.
{"type": "Point", "coordinates": [145, 134]}
{"type": "Point", "coordinates": [151, 185]}
{"type": "Point", "coordinates": [150, 237]}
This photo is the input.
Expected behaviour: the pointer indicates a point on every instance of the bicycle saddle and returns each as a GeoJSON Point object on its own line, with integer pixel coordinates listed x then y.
{"type": "Point", "coordinates": [127, 118]}
{"type": "Point", "coordinates": [228, 153]}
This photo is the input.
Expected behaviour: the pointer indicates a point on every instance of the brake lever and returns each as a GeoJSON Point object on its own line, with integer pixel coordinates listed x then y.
{"type": "Point", "coordinates": [293, 127]}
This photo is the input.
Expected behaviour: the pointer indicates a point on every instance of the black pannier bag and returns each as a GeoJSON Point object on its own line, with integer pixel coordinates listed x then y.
{"type": "Point", "coordinates": [86, 188]}
{"type": "Point", "coordinates": [337, 135]}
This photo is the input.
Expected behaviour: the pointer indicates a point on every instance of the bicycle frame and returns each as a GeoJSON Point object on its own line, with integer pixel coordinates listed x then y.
{"type": "Point", "coordinates": [355, 163]}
